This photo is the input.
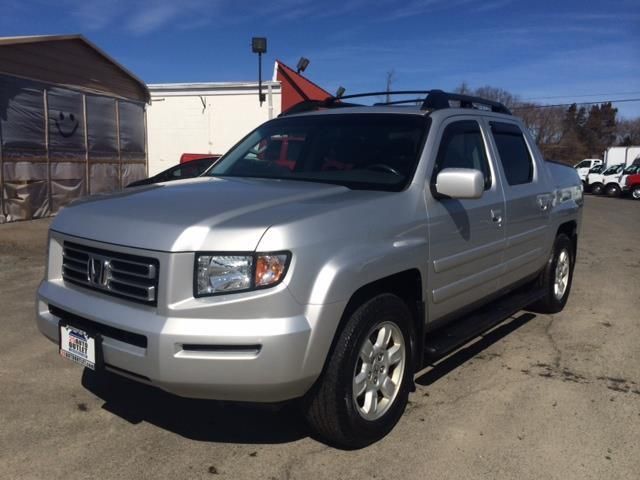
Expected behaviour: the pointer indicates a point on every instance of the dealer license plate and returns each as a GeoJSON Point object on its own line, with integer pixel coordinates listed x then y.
{"type": "Point", "coordinates": [78, 346]}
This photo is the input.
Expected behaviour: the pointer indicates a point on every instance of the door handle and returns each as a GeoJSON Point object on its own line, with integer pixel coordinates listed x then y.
{"type": "Point", "coordinates": [544, 201]}
{"type": "Point", "coordinates": [496, 216]}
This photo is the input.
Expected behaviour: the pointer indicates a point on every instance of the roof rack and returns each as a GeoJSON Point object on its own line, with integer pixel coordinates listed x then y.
{"type": "Point", "coordinates": [434, 100]}
{"type": "Point", "coordinates": [437, 100]}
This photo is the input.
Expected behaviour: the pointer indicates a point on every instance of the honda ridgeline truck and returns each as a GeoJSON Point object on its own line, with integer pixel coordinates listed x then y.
{"type": "Point", "coordinates": [329, 281]}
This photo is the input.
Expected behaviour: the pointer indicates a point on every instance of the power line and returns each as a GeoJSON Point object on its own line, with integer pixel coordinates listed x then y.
{"type": "Point", "coordinates": [624, 100]}
{"type": "Point", "coordinates": [581, 96]}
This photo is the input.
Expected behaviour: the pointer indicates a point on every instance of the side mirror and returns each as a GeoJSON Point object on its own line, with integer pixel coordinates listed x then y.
{"type": "Point", "coordinates": [460, 183]}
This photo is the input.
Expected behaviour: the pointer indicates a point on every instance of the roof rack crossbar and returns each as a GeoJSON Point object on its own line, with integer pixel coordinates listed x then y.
{"type": "Point", "coordinates": [378, 94]}
{"type": "Point", "coordinates": [416, 101]}
{"type": "Point", "coordinates": [437, 100]}
{"type": "Point", "coordinates": [434, 100]}
{"type": "Point", "coordinates": [311, 105]}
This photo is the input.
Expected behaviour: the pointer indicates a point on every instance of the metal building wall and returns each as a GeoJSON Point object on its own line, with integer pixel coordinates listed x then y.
{"type": "Point", "coordinates": [58, 144]}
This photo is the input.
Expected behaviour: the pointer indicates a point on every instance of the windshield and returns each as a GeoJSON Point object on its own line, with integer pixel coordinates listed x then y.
{"type": "Point", "coordinates": [612, 170]}
{"type": "Point", "coordinates": [597, 169]}
{"type": "Point", "coordinates": [584, 164]}
{"type": "Point", "coordinates": [359, 151]}
{"type": "Point", "coordinates": [631, 169]}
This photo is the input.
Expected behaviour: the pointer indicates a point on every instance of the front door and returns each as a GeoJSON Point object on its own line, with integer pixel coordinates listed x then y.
{"type": "Point", "coordinates": [466, 236]}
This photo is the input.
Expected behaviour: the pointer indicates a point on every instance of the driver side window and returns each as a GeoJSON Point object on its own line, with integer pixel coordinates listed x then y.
{"type": "Point", "coordinates": [462, 146]}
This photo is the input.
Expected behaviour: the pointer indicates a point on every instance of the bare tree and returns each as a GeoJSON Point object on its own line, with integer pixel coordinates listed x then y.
{"type": "Point", "coordinates": [628, 132]}
{"type": "Point", "coordinates": [463, 89]}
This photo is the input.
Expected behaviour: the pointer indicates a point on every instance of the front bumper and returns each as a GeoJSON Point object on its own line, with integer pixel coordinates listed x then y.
{"type": "Point", "coordinates": [258, 346]}
{"type": "Point", "coordinates": [261, 360]}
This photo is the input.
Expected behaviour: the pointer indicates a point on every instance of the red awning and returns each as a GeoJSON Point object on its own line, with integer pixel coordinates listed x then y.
{"type": "Point", "coordinates": [296, 88]}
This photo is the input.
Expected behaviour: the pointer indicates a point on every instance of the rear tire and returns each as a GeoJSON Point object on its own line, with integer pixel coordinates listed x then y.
{"type": "Point", "coordinates": [556, 277]}
{"type": "Point", "coordinates": [361, 396]}
{"type": "Point", "coordinates": [635, 192]}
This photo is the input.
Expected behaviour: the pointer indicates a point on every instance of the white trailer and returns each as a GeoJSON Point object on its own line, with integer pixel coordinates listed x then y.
{"type": "Point", "coordinates": [621, 155]}
{"type": "Point", "coordinates": [204, 118]}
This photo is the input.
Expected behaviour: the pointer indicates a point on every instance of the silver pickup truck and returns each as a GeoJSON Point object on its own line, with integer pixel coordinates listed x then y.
{"type": "Point", "coordinates": [327, 271]}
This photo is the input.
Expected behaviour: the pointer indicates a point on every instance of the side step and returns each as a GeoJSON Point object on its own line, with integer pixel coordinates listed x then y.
{"type": "Point", "coordinates": [448, 338]}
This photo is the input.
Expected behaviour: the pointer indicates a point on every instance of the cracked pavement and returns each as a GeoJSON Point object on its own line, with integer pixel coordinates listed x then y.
{"type": "Point", "coordinates": [553, 397]}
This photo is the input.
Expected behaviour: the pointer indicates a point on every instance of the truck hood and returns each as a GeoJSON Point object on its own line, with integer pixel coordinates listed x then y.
{"type": "Point", "coordinates": [221, 214]}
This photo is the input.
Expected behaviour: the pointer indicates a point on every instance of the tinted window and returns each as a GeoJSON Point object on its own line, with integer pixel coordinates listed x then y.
{"type": "Point", "coordinates": [584, 164]}
{"type": "Point", "coordinates": [612, 170]}
{"type": "Point", "coordinates": [514, 154]}
{"type": "Point", "coordinates": [462, 147]}
{"type": "Point", "coordinates": [360, 151]}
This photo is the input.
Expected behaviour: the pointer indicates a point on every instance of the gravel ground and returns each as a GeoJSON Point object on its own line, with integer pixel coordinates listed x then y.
{"type": "Point", "coordinates": [540, 397]}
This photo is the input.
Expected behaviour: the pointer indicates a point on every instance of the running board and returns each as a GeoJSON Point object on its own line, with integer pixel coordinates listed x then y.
{"type": "Point", "coordinates": [448, 338]}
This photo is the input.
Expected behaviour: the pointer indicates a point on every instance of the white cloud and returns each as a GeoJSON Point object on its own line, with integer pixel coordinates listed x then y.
{"type": "Point", "coordinates": [141, 16]}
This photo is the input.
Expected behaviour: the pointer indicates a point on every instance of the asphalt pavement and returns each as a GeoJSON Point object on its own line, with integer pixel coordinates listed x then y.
{"type": "Point", "coordinates": [539, 397]}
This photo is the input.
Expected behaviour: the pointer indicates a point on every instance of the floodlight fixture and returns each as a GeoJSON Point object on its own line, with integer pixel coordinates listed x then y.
{"type": "Point", "coordinates": [259, 46]}
{"type": "Point", "coordinates": [303, 63]}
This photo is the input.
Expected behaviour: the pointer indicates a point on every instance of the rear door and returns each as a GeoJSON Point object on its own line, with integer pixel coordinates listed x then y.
{"type": "Point", "coordinates": [528, 202]}
{"type": "Point", "coordinates": [466, 236]}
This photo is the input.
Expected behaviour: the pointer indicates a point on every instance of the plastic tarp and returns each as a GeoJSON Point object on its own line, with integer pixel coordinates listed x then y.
{"type": "Point", "coordinates": [66, 120]}
{"type": "Point", "coordinates": [25, 191]}
{"type": "Point", "coordinates": [67, 146]}
{"type": "Point", "coordinates": [22, 122]}
{"type": "Point", "coordinates": [131, 127]}
{"type": "Point", "coordinates": [132, 172]}
{"type": "Point", "coordinates": [24, 186]}
{"type": "Point", "coordinates": [104, 177]}
{"type": "Point", "coordinates": [102, 127]}
{"type": "Point", "coordinates": [83, 154]}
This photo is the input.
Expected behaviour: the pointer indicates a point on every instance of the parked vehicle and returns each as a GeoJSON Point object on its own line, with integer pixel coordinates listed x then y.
{"type": "Point", "coordinates": [585, 166]}
{"type": "Point", "coordinates": [193, 168]}
{"type": "Point", "coordinates": [596, 182]}
{"type": "Point", "coordinates": [632, 186]}
{"type": "Point", "coordinates": [189, 157]}
{"type": "Point", "coordinates": [329, 281]}
{"type": "Point", "coordinates": [614, 184]}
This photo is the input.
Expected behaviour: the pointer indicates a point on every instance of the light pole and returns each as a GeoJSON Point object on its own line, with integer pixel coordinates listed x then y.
{"type": "Point", "coordinates": [259, 46]}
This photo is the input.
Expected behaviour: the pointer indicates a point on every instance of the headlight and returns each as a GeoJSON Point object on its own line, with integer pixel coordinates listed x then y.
{"type": "Point", "coordinates": [216, 274]}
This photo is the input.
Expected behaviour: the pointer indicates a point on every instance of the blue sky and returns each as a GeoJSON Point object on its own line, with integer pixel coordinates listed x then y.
{"type": "Point", "coordinates": [551, 51]}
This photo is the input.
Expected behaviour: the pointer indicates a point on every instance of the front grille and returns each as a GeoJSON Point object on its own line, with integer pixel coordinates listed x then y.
{"type": "Point", "coordinates": [114, 273]}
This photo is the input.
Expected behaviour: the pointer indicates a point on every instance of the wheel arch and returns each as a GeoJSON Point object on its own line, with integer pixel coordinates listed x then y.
{"type": "Point", "coordinates": [570, 229]}
{"type": "Point", "coordinates": [408, 286]}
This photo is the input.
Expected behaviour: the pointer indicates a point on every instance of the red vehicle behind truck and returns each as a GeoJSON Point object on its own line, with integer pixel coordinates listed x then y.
{"type": "Point", "coordinates": [188, 157]}
{"type": "Point", "coordinates": [632, 186]}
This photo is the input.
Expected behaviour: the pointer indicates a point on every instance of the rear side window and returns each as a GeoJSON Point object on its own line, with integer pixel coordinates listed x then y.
{"type": "Point", "coordinates": [462, 147]}
{"type": "Point", "coordinates": [514, 154]}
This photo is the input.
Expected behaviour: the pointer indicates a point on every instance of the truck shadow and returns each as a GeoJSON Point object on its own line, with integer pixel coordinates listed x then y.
{"type": "Point", "coordinates": [440, 367]}
{"type": "Point", "coordinates": [201, 420]}
{"type": "Point", "coordinates": [231, 422]}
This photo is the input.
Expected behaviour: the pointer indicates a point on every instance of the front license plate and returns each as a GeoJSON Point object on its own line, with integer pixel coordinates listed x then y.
{"type": "Point", "coordinates": [78, 346]}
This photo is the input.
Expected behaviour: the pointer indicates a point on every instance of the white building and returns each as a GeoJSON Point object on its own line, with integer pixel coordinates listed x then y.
{"type": "Point", "coordinates": [204, 118]}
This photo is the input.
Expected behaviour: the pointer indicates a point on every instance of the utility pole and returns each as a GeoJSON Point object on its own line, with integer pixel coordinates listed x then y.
{"type": "Point", "coordinates": [390, 74]}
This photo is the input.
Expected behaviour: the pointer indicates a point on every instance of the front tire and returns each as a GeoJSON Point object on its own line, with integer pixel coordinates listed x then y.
{"type": "Point", "coordinates": [613, 191]}
{"type": "Point", "coordinates": [635, 193]}
{"type": "Point", "coordinates": [364, 389]}
{"type": "Point", "coordinates": [596, 189]}
{"type": "Point", "coordinates": [556, 277]}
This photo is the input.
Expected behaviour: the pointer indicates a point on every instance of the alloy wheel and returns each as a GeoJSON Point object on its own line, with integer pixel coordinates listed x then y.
{"type": "Point", "coordinates": [379, 370]}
